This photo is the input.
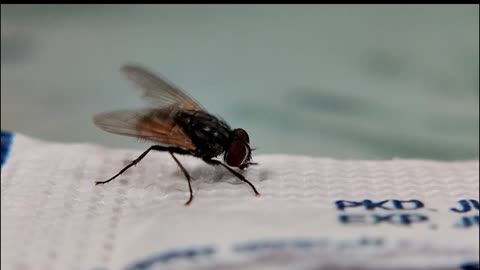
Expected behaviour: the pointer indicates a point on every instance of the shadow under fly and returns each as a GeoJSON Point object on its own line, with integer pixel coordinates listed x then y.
{"type": "Point", "coordinates": [177, 124]}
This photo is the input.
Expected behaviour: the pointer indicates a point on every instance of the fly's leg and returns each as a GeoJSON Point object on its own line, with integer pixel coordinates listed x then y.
{"type": "Point", "coordinates": [186, 176]}
{"type": "Point", "coordinates": [171, 150]}
{"type": "Point", "coordinates": [128, 166]}
{"type": "Point", "coordinates": [241, 177]}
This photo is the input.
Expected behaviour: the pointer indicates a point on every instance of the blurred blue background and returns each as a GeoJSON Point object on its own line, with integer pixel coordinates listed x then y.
{"type": "Point", "coordinates": [343, 81]}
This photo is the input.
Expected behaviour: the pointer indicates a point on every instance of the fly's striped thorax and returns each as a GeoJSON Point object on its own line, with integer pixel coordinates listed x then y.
{"type": "Point", "coordinates": [210, 135]}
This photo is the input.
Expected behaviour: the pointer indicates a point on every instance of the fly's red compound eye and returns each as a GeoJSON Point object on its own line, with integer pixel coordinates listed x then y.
{"type": "Point", "coordinates": [242, 134]}
{"type": "Point", "coordinates": [237, 154]}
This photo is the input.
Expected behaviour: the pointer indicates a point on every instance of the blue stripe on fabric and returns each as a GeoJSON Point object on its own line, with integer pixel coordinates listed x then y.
{"type": "Point", "coordinates": [7, 140]}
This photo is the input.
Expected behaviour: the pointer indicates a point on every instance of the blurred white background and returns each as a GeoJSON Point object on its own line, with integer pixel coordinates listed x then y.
{"type": "Point", "coordinates": [343, 81]}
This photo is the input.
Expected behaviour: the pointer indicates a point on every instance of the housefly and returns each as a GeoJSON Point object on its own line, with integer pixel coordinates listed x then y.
{"type": "Point", "coordinates": [177, 124]}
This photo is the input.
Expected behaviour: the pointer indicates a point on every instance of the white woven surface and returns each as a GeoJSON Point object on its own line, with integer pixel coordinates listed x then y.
{"type": "Point", "coordinates": [54, 217]}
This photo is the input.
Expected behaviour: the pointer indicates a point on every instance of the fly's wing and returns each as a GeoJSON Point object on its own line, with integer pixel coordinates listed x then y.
{"type": "Point", "coordinates": [155, 125]}
{"type": "Point", "coordinates": [158, 91]}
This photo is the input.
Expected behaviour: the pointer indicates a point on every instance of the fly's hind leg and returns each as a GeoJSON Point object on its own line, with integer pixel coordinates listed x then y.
{"type": "Point", "coordinates": [137, 160]}
{"type": "Point", "coordinates": [171, 150]}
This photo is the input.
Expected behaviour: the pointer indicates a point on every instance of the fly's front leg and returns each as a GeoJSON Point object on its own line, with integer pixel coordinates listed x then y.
{"type": "Point", "coordinates": [241, 177]}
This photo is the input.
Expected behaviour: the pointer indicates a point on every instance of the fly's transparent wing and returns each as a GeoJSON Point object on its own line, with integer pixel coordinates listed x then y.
{"type": "Point", "coordinates": [155, 125]}
{"type": "Point", "coordinates": [158, 91]}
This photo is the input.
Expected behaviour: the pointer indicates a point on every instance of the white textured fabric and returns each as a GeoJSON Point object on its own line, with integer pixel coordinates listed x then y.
{"type": "Point", "coordinates": [54, 217]}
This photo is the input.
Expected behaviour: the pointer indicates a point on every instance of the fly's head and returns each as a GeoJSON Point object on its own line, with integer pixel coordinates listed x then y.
{"type": "Point", "coordinates": [239, 153]}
